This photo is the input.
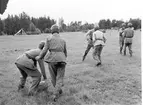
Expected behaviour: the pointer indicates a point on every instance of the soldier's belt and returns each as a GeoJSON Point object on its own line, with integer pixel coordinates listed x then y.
{"type": "Point", "coordinates": [99, 39]}
{"type": "Point", "coordinates": [55, 50]}
{"type": "Point", "coordinates": [128, 36]}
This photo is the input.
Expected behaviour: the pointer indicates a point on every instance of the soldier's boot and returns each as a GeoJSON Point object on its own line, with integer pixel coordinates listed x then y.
{"type": "Point", "coordinates": [20, 87]}
{"type": "Point", "coordinates": [86, 51]}
{"type": "Point", "coordinates": [124, 53]}
{"type": "Point", "coordinates": [34, 88]}
{"type": "Point", "coordinates": [120, 50]}
{"type": "Point", "coordinates": [22, 83]}
{"type": "Point", "coordinates": [83, 58]}
{"type": "Point", "coordinates": [60, 91]}
{"type": "Point", "coordinates": [130, 54]}
{"type": "Point", "coordinates": [98, 64]}
{"type": "Point", "coordinates": [57, 95]}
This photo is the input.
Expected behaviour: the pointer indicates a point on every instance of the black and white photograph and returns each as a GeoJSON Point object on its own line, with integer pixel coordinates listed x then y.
{"type": "Point", "coordinates": [71, 52]}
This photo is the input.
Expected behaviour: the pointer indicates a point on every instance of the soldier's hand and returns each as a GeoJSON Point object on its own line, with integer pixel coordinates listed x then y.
{"type": "Point", "coordinates": [37, 58]}
{"type": "Point", "coordinates": [93, 46]}
{"type": "Point", "coordinates": [44, 83]}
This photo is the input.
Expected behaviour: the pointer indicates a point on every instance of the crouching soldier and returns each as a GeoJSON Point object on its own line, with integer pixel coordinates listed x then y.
{"type": "Point", "coordinates": [56, 59]}
{"type": "Point", "coordinates": [98, 42]}
{"type": "Point", "coordinates": [128, 37]}
{"type": "Point", "coordinates": [27, 65]}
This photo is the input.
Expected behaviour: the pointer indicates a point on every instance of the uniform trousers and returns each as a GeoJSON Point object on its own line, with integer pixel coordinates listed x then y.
{"type": "Point", "coordinates": [97, 53]}
{"type": "Point", "coordinates": [57, 72]}
{"type": "Point", "coordinates": [25, 72]}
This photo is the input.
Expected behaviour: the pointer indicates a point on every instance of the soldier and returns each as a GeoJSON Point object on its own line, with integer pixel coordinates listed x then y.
{"type": "Point", "coordinates": [98, 42]}
{"type": "Point", "coordinates": [128, 37]}
{"type": "Point", "coordinates": [90, 42]}
{"type": "Point", "coordinates": [27, 65]}
{"type": "Point", "coordinates": [121, 39]}
{"type": "Point", "coordinates": [56, 59]}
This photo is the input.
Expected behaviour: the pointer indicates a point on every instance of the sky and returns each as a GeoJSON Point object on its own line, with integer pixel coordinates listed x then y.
{"type": "Point", "coordinates": [90, 11]}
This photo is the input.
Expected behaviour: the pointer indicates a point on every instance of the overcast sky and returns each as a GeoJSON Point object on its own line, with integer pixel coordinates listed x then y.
{"type": "Point", "coordinates": [90, 11]}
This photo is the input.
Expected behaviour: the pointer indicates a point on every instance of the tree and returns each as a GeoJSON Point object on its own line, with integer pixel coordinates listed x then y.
{"type": "Point", "coordinates": [44, 22]}
{"type": "Point", "coordinates": [16, 24]}
{"type": "Point", "coordinates": [8, 28]}
{"type": "Point", "coordinates": [102, 24]}
{"type": "Point", "coordinates": [136, 23]}
{"type": "Point", "coordinates": [108, 24]}
{"type": "Point", "coordinates": [1, 26]}
{"type": "Point", "coordinates": [61, 23]}
{"type": "Point", "coordinates": [114, 23]}
{"type": "Point", "coordinates": [24, 21]}
{"type": "Point", "coordinates": [32, 27]}
{"type": "Point", "coordinates": [12, 24]}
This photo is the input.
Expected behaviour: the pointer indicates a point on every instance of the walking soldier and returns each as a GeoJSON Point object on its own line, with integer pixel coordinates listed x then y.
{"type": "Point", "coordinates": [89, 41]}
{"type": "Point", "coordinates": [56, 59]}
{"type": "Point", "coordinates": [98, 42]}
{"type": "Point", "coordinates": [128, 37]}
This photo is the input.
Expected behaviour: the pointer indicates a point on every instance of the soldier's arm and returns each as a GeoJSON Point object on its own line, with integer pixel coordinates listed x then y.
{"type": "Point", "coordinates": [87, 35]}
{"type": "Point", "coordinates": [120, 32]}
{"type": "Point", "coordinates": [124, 34]}
{"type": "Point", "coordinates": [94, 37]}
{"type": "Point", "coordinates": [104, 38]}
{"type": "Point", "coordinates": [65, 49]}
{"type": "Point", "coordinates": [42, 68]}
{"type": "Point", "coordinates": [45, 49]}
{"type": "Point", "coordinates": [133, 33]}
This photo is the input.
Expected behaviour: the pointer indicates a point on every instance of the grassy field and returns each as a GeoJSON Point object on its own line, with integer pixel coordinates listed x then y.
{"type": "Point", "coordinates": [116, 82]}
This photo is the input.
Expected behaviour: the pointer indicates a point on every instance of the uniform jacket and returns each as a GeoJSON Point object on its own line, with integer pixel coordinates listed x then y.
{"type": "Point", "coordinates": [25, 61]}
{"type": "Point", "coordinates": [98, 38]}
{"type": "Point", "coordinates": [121, 37]}
{"type": "Point", "coordinates": [56, 48]}
{"type": "Point", "coordinates": [128, 35]}
{"type": "Point", "coordinates": [89, 36]}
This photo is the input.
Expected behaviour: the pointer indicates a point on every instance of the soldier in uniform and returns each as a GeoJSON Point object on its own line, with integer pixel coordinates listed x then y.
{"type": "Point", "coordinates": [56, 59]}
{"type": "Point", "coordinates": [27, 65]}
{"type": "Point", "coordinates": [121, 39]}
{"type": "Point", "coordinates": [128, 37]}
{"type": "Point", "coordinates": [89, 41]}
{"type": "Point", "coordinates": [98, 43]}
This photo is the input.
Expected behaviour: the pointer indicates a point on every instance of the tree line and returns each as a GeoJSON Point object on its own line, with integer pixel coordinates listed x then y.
{"type": "Point", "coordinates": [108, 24]}
{"type": "Point", "coordinates": [103, 24]}
{"type": "Point", "coordinates": [13, 23]}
